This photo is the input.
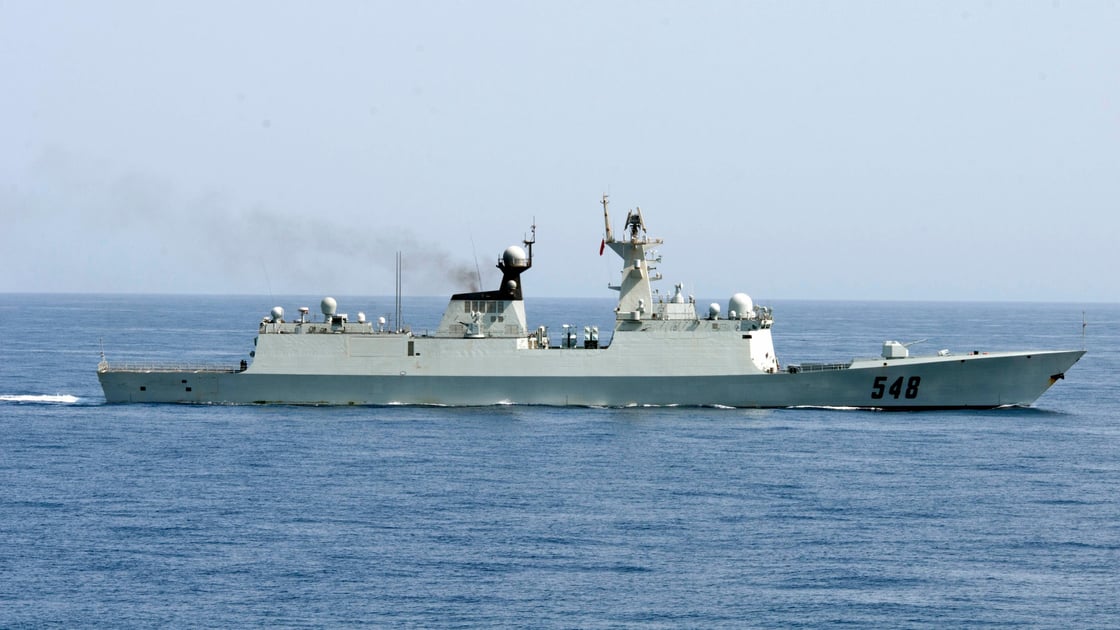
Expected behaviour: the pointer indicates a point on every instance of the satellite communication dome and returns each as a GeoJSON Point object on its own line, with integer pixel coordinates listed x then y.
{"type": "Point", "coordinates": [329, 306]}
{"type": "Point", "coordinates": [511, 286]}
{"type": "Point", "coordinates": [277, 313]}
{"type": "Point", "coordinates": [713, 311]}
{"type": "Point", "coordinates": [514, 256]}
{"type": "Point", "coordinates": [742, 304]}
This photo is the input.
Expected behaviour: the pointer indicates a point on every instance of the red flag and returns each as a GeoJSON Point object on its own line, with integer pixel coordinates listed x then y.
{"type": "Point", "coordinates": [602, 246]}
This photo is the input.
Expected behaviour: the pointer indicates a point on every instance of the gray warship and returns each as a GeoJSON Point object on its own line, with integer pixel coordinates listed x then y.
{"type": "Point", "coordinates": [662, 352]}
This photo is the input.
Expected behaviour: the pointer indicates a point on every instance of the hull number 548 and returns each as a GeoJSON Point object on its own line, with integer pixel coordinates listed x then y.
{"type": "Point", "coordinates": [900, 387]}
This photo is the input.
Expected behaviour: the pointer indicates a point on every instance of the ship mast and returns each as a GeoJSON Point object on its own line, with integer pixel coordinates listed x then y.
{"type": "Point", "coordinates": [635, 297]}
{"type": "Point", "coordinates": [607, 219]}
{"type": "Point", "coordinates": [529, 241]}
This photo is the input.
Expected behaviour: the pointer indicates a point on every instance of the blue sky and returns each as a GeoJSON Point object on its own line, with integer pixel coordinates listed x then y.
{"type": "Point", "coordinates": [854, 150]}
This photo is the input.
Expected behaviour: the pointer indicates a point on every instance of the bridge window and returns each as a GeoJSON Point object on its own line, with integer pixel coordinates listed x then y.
{"type": "Point", "coordinates": [484, 306]}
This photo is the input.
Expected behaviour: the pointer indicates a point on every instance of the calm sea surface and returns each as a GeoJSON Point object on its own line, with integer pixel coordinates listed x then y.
{"type": "Point", "coordinates": [234, 516]}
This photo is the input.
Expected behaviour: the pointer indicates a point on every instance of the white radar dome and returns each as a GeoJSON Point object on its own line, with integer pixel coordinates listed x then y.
{"type": "Point", "coordinates": [277, 313]}
{"type": "Point", "coordinates": [742, 304]}
{"type": "Point", "coordinates": [514, 256]}
{"type": "Point", "coordinates": [713, 311]}
{"type": "Point", "coordinates": [329, 306]}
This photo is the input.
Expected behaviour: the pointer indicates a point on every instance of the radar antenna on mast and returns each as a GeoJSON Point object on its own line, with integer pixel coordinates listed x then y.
{"type": "Point", "coordinates": [634, 223]}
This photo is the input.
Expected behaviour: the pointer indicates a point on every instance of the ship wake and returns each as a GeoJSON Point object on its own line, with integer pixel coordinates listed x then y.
{"type": "Point", "coordinates": [835, 407]}
{"type": "Point", "coordinates": [52, 399]}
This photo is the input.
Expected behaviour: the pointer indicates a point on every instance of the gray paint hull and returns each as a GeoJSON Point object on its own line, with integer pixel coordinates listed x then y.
{"type": "Point", "coordinates": [971, 381]}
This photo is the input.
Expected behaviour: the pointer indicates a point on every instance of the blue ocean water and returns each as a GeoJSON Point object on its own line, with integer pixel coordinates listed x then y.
{"type": "Point", "coordinates": [144, 515]}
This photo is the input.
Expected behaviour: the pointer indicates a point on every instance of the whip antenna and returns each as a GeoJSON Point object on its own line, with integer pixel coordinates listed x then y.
{"type": "Point", "coordinates": [397, 313]}
{"type": "Point", "coordinates": [477, 270]}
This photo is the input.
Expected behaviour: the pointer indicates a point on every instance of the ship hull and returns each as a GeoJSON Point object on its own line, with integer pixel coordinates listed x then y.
{"type": "Point", "coordinates": [953, 382]}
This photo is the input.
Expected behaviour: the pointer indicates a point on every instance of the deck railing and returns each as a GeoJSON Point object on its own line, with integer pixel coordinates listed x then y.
{"type": "Point", "coordinates": [819, 367]}
{"type": "Point", "coordinates": [105, 366]}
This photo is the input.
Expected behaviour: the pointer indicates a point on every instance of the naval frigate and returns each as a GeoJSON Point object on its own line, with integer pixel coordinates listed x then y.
{"type": "Point", "coordinates": [662, 352]}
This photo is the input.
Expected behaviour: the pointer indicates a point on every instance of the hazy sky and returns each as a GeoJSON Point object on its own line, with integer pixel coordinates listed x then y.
{"type": "Point", "coordinates": [863, 150]}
